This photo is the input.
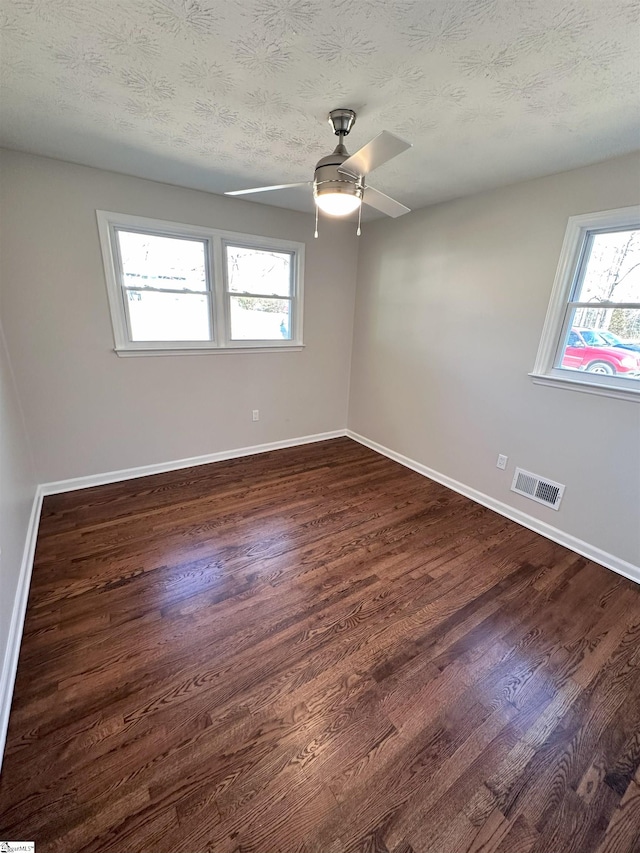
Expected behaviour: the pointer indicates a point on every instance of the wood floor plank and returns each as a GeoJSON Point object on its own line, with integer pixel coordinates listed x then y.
{"type": "Point", "coordinates": [316, 650]}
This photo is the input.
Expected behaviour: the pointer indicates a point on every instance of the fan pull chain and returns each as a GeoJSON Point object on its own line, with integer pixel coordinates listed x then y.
{"type": "Point", "coordinates": [316, 231]}
{"type": "Point", "coordinates": [359, 231]}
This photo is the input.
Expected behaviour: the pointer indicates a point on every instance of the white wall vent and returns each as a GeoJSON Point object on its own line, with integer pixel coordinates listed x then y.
{"type": "Point", "coordinates": [537, 488]}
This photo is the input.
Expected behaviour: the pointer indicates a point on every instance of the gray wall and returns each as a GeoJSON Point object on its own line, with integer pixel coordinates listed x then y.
{"type": "Point", "coordinates": [89, 411]}
{"type": "Point", "coordinates": [17, 490]}
{"type": "Point", "coordinates": [450, 306]}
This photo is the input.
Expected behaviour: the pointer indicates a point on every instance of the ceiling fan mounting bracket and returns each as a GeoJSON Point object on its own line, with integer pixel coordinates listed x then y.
{"type": "Point", "coordinates": [342, 121]}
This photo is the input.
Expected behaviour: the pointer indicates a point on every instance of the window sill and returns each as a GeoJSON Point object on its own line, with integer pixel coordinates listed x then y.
{"type": "Point", "coordinates": [136, 353]}
{"type": "Point", "coordinates": [586, 387]}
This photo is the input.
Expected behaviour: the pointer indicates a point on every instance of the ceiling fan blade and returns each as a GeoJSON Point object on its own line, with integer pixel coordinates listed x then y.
{"type": "Point", "coordinates": [381, 148]}
{"type": "Point", "coordinates": [384, 203]}
{"type": "Point", "coordinates": [268, 189]}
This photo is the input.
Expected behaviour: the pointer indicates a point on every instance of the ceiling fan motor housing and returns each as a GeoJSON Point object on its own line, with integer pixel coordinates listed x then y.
{"type": "Point", "coordinates": [327, 178]}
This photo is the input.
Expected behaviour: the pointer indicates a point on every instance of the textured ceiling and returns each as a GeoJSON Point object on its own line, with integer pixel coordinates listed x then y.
{"type": "Point", "coordinates": [223, 95]}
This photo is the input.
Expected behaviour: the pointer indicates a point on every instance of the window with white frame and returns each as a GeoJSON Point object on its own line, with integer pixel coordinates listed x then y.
{"type": "Point", "coordinates": [591, 336]}
{"type": "Point", "coordinates": [184, 288]}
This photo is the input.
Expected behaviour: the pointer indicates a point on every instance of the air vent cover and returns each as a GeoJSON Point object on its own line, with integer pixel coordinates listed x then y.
{"type": "Point", "coordinates": [537, 488]}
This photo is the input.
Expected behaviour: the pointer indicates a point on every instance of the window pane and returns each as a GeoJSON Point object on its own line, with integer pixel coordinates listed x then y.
{"type": "Point", "coordinates": [168, 316]}
{"type": "Point", "coordinates": [604, 341]}
{"type": "Point", "coordinates": [151, 260]}
{"type": "Point", "coordinates": [612, 269]}
{"type": "Point", "coordinates": [255, 319]}
{"type": "Point", "coordinates": [258, 271]}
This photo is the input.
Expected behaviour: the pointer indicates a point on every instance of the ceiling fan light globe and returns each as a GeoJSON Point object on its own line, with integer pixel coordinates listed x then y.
{"type": "Point", "coordinates": [337, 203]}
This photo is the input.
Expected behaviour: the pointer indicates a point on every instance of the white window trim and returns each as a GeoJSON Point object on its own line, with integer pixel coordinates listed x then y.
{"type": "Point", "coordinates": [544, 372]}
{"type": "Point", "coordinates": [215, 240]}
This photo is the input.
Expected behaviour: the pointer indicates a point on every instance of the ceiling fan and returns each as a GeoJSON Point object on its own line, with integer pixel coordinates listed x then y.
{"type": "Point", "coordinates": [339, 179]}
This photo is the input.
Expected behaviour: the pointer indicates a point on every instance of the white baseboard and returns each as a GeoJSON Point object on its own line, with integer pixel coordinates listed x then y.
{"type": "Point", "coordinates": [12, 652]}
{"type": "Point", "coordinates": [585, 549]}
{"type": "Point", "coordinates": [163, 467]}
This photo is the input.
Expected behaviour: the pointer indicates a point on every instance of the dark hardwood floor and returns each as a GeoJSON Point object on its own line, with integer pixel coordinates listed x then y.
{"type": "Point", "coordinates": [318, 650]}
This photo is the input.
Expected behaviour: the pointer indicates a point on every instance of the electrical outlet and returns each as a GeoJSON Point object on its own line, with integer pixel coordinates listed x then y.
{"type": "Point", "coordinates": [502, 461]}
{"type": "Point", "coordinates": [256, 414]}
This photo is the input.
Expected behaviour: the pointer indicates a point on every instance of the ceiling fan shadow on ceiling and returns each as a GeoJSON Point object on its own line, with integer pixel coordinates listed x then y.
{"type": "Point", "coordinates": [339, 186]}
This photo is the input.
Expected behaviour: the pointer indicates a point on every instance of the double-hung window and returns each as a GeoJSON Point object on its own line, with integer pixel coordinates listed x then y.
{"type": "Point", "coordinates": [183, 288]}
{"type": "Point", "coordinates": [591, 336]}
